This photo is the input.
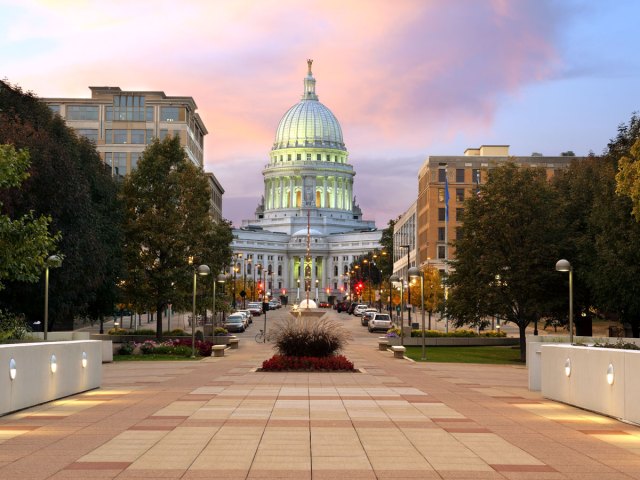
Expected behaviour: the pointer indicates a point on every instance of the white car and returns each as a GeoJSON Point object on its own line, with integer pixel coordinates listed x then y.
{"type": "Point", "coordinates": [367, 315]}
{"type": "Point", "coordinates": [255, 308]}
{"type": "Point", "coordinates": [380, 321]}
{"type": "Point", "coordinates": [359, 310]}
{"type": "Point", "coordinates": [246, 316]}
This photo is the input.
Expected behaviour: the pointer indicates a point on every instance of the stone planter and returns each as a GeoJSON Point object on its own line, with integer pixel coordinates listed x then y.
{"type": "Point", "coordinates": [455, 341]}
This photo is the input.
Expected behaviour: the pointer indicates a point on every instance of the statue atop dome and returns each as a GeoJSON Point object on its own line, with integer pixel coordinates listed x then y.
{"type": "Point", "coordinates": [309, 62]}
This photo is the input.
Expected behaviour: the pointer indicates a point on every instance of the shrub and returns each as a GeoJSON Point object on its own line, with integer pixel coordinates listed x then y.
{"type": "Point", "coordinates": [278, 363]}
{"type": "Point", "coordinates": [199, 335]}
{"type": "Point", "coordinates": [13, 327]}
{"type": "Point", "coordinates": [620, 344]}
{"type": "Point", "coordinates": [176, 332]}
{"type": "Point", "coordinates": [203, 348]}
{"type": "Point", "coordinates": [126, 349]}
{"type": "Point", "coordinates": [456, 333]}
{"type": "Point", "coordinates": [148, 347]}
{"type": "Point", "coordinates": [118, 331]}
{"type": "Point", "coordinates": [220, 332]}
{"type": "Point", "coordinates": [299, 337]}
{"type": "Point", "coordinates": [394, 332]}
{"type": "Point", "coordinates": [143, 331]}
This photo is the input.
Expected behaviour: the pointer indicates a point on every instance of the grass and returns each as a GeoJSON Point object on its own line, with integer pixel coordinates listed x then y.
{"type": "Point", "coordinates": [151, 358]}
{"type": "Point", "coordinates": [487, 355]}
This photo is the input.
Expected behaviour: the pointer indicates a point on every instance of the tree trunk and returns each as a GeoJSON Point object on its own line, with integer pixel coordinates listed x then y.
{"type": "Point", "coordinates": [159, 322]}
{"type": "Point", "coordinates": [523, 342]}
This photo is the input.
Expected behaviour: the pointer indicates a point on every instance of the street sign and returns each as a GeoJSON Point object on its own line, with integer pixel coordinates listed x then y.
{"type": "Point", "coordinates": [243, 294]}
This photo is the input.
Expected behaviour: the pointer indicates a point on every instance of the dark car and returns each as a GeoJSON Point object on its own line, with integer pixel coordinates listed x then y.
{"type": "Point", "coordinates": [341, 307]}
{"type": "Point", "coordinates": [352, 307]}
{"type": "Point", "coordinates": [234, 323]}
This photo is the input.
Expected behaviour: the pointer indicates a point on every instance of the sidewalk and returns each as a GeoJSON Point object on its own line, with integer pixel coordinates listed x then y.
{"type": "Point", "coordinates": [218, 418]}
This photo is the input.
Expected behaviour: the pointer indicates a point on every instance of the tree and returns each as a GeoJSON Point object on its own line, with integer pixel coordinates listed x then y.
{"type": "Point", "coordinates": [68, 182]}
{"type": "Point", "coordinates": [505, 258]}
{"type": "Point", "coordinates": [25, 242]}
{"type": "Point", "coordinates": [167, 224]}
{"type": "Point", "coordinates": [628, 177]}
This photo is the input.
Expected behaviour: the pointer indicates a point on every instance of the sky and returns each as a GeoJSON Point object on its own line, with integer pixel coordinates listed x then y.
{"type": "Point", "coordinates": [405, 78]}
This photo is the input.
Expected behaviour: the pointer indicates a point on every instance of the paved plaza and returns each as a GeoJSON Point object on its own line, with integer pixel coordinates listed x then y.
{"type": "Point", "coordinates": [220, 419]}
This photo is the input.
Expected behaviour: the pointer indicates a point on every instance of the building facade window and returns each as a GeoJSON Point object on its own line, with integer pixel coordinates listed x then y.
{"type": "Point", "coordinates": [82, 112]}
{"type": "Point", "coordinates": [138, 136]}
{"type": "Point", "coordinates": [441, 233]}
{"type": "Point", "coordinates": [459, 194]}
{"type": "Point", "coordinates": [172, 114]}
{"type": "Point", "coordinates": [441, 195]}
{"type": "Point", "coordinates": [442, 175]}
{"type": "Point", "coordinates": [459, 175]}
{"type": "Point", "coordinates": [318, 157]}
{"type": "Point", "coordinates": [441, 215]}
{"type": "Point", "coordinates": [459, 214]}
{"type": "Point", "coordinates": [298, 156]}
{"type": "Point", "coordinates": [134, 157]}
{"type": "Point", "coordinates": [88, 133]}
{"type": "Point", "coordinates": [458, 233]}
{"type": "Point", "coordinates": [55, 109]}
{"type": "Point", "coordinates": [127, 108]}
{"type": "Point", "coordinates": [475, 173]}
{"type": "Point", "coordinates": [441, 252]}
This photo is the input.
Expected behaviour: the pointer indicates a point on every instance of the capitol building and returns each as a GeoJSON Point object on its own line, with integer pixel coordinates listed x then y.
{"type": "Point", "coordinates": [307, 228]}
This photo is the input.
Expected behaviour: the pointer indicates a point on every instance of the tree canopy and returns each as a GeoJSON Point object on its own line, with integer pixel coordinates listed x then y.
{"type": "Point", "coordinates": [167, 223]}
{"type": "Point", "coordinates": [505, 257]}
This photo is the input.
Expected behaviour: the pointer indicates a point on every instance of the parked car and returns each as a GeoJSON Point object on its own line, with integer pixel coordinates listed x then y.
{"type": "Point", "coordinates": [352, 307]}
{"type": "Point", "coordinates": [274, 304]}
{"type": "Point", "coordinates": [380, 321]}
{"type": "Point", "coordinates": [324, 305]}
{"type": "Point", "coordinates": [359, 310]}
{"type": "Point", "coordinates": [341, 307]}
{"type": "Point", "coordinates": [235, 323]}
{"type": "Point", "coordinates": [248, 316]}
{"type": "Point", "coordinates": [255, 308]}
{"type": "Point", "coordinates": [366, 316]}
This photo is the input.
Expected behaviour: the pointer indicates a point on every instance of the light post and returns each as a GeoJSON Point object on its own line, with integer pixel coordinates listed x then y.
{"type": "Point", "coordinates": [564, 266]}
{"type": "Point", "coordinates": [54, 261]}
{"type": "Point", "coordinates": [366, 260]}
{"type": "Point", "coordinates": [414, 273]}
{"type": "Point", "coordinates": [298, 293]}
{"type": "Point", "coordinates": [202, 270]}
{"type": "Point", "coordinates": [244, 282]}
{"type": "Point", "coordinates": [396, 279]}
{"type": "Point", "coordinates": [316, 290]}
{"type": "Point", "coordinates": [220, 279]}
{"type": "Point", "coordinates": [408, 247]}
{"type": "Point", "coordinates": [258, 266]}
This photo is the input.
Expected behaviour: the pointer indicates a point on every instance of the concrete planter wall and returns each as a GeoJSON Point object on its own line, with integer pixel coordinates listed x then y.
{"type": "Point", "coordinates": [36, 383]}
{"type": "Point", "coordinates": [586, 386]}
{"type": "Point", "coordinates": [455, 341]}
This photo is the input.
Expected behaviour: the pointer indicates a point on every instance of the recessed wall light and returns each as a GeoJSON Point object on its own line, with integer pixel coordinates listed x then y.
{"type": "Point", "coordinates": [610, 374]}
{"type": "Point", "coordinates": [84, 359]}
{"type": "Point", "coordinates": [13, 370]}
{"type": "Point", "coordinates": [567, 367]}
{"type": "Point", "coordinates": [53, 363]}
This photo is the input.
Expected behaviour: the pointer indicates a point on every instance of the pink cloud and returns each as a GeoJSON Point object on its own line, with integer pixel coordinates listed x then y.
{"type": "Point", "coordinates": [398, 75]}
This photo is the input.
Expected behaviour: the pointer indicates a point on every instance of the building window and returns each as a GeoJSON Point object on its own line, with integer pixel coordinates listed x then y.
{"type": "Point", "coordinates": [346, 269]}
{"type": "Point", "coordinates": [118, 163]}
{"type": "Point", "coordinates": [442, 175]}
{"type": "Point", "coordinates": [460, 175]}
{"type": "Point", "coordinates": [308, 157]}
{"type": "Point", "coordinates": [137, 136]}
{"type": "Point", "coordinates": [149, 114]}
{"type": "Point", "coordinates": [459, 194]}
{"type": "Point", "coordinates": [88, 133]}
{"type": "Point", "coordinates": [248, 269]}
{"type": "Point", "coordinates": [335, 270]}
{"type": "Point", "coordinates": [441, 215]}
{"type": "Point", "coordinates": [82, 112]}
{"type": "Point", "coordinates": [476, 176]}
{"type": "Point", "coordinates": [288, 157]}
{"type": "Point", "coordinates": [150, 135]}
{"type": "Point", "coordinates": [279, 270]}
{"type": "Point", "coordinates": [134, 157]}
{"type": "Point", "coordinates": [172, 114]}
{"type": "Point", "coordinates": [441, 251]}
{"type": "Point", "coordinates": [55, 109]}
{"type": "Point", "coordinates": [441, 194]}
{"type": "Point", "coordinates": [298, 157]}
{"type": "Point", "coordinates": [458, 233]}
{"type": "Point", "coordinates": [319, 157]}
{"type": "Point", "coordinates": [335, 285]}
{"type": "Point", "coordinates": [459, 214]}
{"type": "Point", "coordinates": [259, 257]}
{"type": "Point", "coordinates": [441, 231]}
{"type": "Point", "coordinates": [127, 108]}
{"type": "Point", "coordinates": [163, 133]}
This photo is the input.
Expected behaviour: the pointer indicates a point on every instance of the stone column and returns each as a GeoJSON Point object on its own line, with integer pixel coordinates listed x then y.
{"type": "Point", "coordinates": [324, 192]}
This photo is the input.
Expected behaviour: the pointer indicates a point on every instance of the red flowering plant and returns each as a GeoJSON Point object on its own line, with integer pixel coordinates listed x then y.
{"type": "Point", "coordinates": [308, 345]}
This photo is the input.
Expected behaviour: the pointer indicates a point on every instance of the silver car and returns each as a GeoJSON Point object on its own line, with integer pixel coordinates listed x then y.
{"type": "Point", "coordinates": [235, 323]}
{"type": "Point", "coordinates": [380, 321]}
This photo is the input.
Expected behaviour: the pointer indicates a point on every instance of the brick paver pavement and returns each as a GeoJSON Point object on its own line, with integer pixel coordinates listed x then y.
{"type": "Point", "coordinates": [218, 418]}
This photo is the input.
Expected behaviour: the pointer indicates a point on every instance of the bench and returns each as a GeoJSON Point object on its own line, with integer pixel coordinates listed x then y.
{"type": "Point", "coordinates": [218, 350]}
{"type": "Point", "coordinates": [233, 343]}
{"type": "Point", "coordinates": [398, 351]}
{"type": "Point", "coordinates": [383, 343]}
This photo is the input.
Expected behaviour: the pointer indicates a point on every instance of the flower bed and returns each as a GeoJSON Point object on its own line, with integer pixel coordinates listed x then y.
{"type": "Point", "coordinates": [280, 363]}
{"type": "Point", "coordinates": [180, 347]}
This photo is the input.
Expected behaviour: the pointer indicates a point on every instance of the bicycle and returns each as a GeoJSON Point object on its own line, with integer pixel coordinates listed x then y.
{"type": "Point", "coordinates": [260, 337]}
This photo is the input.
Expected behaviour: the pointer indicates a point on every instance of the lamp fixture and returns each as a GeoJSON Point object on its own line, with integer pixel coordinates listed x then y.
{"type": "Point", "coordinates": [610, 376]}
{"type": "Point", "coordinates": [13, 370]}
{"type": "Point", "coordinates": [53, 364]}
{"type": "Point", "coordinates": [84, 359]}
{"type": "Point", "coordinates": [567, 367]}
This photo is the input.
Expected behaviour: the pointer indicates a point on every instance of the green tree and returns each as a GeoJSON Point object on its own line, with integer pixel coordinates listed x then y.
{"type": "Point", "coordinates": [69, 183]}
{"type": "Point", "coordinates": [505, 258]}
{"type": "Point", "coordinates": [167, 223]}
{"type": "Point", "coordinates": [628, 177]}
{"type": "Point", "coordinates": [25, 242]}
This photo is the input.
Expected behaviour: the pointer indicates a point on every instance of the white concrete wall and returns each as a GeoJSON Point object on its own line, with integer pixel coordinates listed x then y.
{"type": "Point", "coordinates": [61, 336]}
{"type": "Point", "coordinates": [35, 383]}
{"type": "Point", "coordinates": [586, 386]}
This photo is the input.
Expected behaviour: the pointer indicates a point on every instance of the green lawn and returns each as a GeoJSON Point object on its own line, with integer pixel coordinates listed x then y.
{"type": "Point", "coordinates": [495, 355]}
{"type": "Point", "coordinates": [151, 358]}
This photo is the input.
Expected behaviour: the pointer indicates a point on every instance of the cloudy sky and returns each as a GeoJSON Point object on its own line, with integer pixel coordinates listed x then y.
{"type": "Point", "coordinates": [405, 78]}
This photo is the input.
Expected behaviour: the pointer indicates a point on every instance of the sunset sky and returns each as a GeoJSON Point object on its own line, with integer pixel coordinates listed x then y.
{"type": "Point", "coordinates": [405, 78]}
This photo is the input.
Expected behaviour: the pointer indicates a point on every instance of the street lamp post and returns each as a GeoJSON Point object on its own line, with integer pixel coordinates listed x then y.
{"type": "Point", "coordinates": [316, 290]}
{"type": "Point", "coordinates": [201, 270]}
{"type": "Point", "coordinates": [414, 273]}
{"type": "Point", "coordinates": [244, 282]}
{"type": "Point", "coordinates": [52, 261]}
{"type": "Point", "coordinates": [564, 266]}
{"type": "Point", "coordinates": [408, 247]}
{"type": "Point", "coordinates": [220, 279]}
{"type": "Point", "coordinates": [396, 279]}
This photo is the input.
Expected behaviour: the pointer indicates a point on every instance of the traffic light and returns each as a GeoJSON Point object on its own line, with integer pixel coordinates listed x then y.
{"type": "Point", "coordinates": [284, 291]}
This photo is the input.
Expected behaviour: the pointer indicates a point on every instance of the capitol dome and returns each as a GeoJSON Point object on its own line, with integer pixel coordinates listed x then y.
{"type": "Point", "coordinates": [309, 123]}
